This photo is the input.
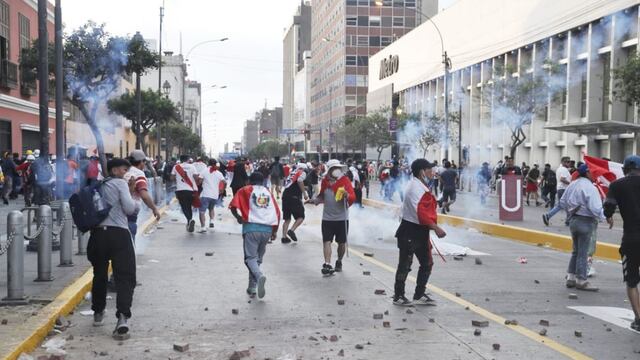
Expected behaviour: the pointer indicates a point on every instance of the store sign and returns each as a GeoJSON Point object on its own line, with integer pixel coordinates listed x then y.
{"type": "Point", "coordinates": [389, 66]}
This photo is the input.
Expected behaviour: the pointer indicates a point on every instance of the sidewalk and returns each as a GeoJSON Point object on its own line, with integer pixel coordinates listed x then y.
{"type": "Point", "coordinates": [468, 205]}
{"type": "Point", "coordinates": [189, 298]}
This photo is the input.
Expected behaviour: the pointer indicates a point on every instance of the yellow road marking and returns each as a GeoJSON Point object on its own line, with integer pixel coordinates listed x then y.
{"type": "Point", "coordinates": [562, 349]}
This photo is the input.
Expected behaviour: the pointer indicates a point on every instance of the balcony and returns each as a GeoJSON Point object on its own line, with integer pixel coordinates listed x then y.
{"type": "Point", "coordinates": [8, 74]}
{"type": "Point", "coordinates": [27, 82]}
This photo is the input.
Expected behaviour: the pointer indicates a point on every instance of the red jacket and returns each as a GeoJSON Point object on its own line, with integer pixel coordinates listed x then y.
{"type": "Point", "coordinates": [342, 182]}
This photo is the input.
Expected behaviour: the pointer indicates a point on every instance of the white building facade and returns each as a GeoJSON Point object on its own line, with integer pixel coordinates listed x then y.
{"type": "Point", "coordinates": [583, 39]}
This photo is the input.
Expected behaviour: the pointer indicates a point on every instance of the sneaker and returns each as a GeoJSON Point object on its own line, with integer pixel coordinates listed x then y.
{"type": "Point", "coordinates": [327, 269]}
{"type": "Point", "coordinates": [261, 290]}
{"type": "Point", "coordinates": [211, 225]}
{"type": "Point", "coordinates": [591, 272]}
{"type": "Point", "coordinates": [338, 266]}
{"type": "Point", "coordinates": [98, 318]}
{"type": "Point", "coordinates": [191, 225]}
{"type": "Point", "coordinates": [292, 235]}
{"type": "Point", "coordinates": [585, 286]}
{"type": "Point", "coordinates": [545, 219]}
{"type": "Point", "coordinates": [121, 327]}
{"type": "Point", "coordinates": [424, 300]}
{"type": "Point", "coordinates": [401, 301]}
{"type": "Point", "coordinates": [202, 230]}
{"type": "Point", "coordinates": [251, 292]}
{"type": "Point", "coordinates": [285, 240]}
{"type": "Point", "coordinates": [570, 283]}
{"type": "Point", "coordinates": [635, 325]}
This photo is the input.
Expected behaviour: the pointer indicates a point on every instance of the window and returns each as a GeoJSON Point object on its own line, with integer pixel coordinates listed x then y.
{"type": "Point", "coordinates": [351, 60]}
{"type": "Point", "coordinates": [363, 2]}
{"type": "Point", "coordinates": [374, 20]}
{"type": "Point", "coordinates": [410, 22]}
{"type": "Point", "coordinates": [398, 21]}
{"type": "Point", "coordinates": [350, 100]}
{"type": "Point", "coordinates": [410, 3]}
{"type": "Point", "coordinates": [350, 80]}
{"type": "Point", "coordinates": [583, 95]}
{"type": "Point", "coordinates": [361, 80]}
{"type": "Point", "coordinates": [398, 3]}
{"type": "Point", "coordinates": [5, 135]}
{"type": "Point", "coordinates": [386, 40]}
{"type": "Point", "coordinates": [363, 60]}
{"type": "Point", "coordinates": [374, 41]}
{"type": "Point", "coordinates": [387, 2]}
{"type": "Point", "coordinates": [352, 2]}
{"type": "Point", "coordinates": [606, 85]}
{"type": "Point", "coordinates": [363, 21]}
{"type": "Point", "coordinates": [25, 31]}
{"type": "Point", "coordinates": [352, 20]}
{"type": "Point", "coordinates": [4, 27]}
{"type": "Point", "coordinates": [386, 21]}
{"type": "Point", "coordinates": [363, 41]}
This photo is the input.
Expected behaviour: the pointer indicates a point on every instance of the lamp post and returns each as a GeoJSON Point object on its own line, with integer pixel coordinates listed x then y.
{"type": "Point", "coordinates": [446, 61]}
{"type": "Point", "coordinates": [160, 84]}
{"type": "Point", "coordinates": [166, 89]}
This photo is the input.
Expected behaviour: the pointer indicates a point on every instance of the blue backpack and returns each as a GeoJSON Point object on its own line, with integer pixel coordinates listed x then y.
{"type": "Point", "coordinates": [88, 207]}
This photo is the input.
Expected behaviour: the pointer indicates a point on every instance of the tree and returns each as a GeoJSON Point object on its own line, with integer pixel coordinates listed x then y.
{"type": "Point", "coordinates": [140, 60]}
{"type": "Point", "coordinates": [515, 101]}
{"type": "Point", "coordinates": [627, 81]}
{"type": "Point", "coordinates": [155, 109]}
{"type": "Point", "coordinates": [269, 149]}
{"type": "Point", "coordinates": [183, 138]}
{"type": "Point", "coordinates": [355, 132]}
{"type": "Point", "coordinates": [379, 135]}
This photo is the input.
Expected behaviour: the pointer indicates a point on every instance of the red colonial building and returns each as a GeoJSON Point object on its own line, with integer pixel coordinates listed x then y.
{"type": "Point", "coordinates": [19, 124]}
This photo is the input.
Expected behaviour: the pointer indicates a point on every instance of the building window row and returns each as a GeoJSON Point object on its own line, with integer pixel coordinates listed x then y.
{"type": "Point", "coordinates": [381, 21]}
{"type": "Point", "coordinates": [385, 3]}
{"type": "Point", "coordinates": [364, 41]}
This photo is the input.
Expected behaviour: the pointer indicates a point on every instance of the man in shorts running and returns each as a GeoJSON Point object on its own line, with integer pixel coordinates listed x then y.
{"type": "Point", "coordinates": [292, 205]}
{"type": "Point", "coordinates": [212, 178]}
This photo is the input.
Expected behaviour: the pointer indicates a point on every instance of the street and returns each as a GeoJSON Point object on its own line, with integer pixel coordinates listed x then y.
{"type": "Point", "coordinates": [186, 297]}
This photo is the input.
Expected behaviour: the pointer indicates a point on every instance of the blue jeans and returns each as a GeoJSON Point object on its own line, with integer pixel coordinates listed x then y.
{"type": "Point", "coordinates": [133, 226]}
{"type": "Point", "coordinates": [582, 230]}
{"type": "Point", "coordinates": [556, 209]}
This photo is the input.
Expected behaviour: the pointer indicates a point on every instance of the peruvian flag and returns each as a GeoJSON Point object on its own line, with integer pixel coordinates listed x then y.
{"type": "Point", "coordinates": [604, 172]}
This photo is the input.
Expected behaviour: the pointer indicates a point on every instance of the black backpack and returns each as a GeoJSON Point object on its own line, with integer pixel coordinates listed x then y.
{"type": "Point", "coordinates": [551, 181]}
{"type": "Point", "coordinates": [88, 207]}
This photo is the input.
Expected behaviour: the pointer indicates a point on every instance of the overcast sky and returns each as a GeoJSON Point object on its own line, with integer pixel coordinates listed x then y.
{"type": "Point", "coordinates": [250, 63]}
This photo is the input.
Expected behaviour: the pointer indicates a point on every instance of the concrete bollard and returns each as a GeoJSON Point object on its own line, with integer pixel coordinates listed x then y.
{"type": "Point", "coordinates": [45, 220]}
{"type": "Point", "coordinates": [82, 242]}
{"type": "Point", "coordinates": [15, 261]}
{"type": "Point", "coordinates": [66, 235]}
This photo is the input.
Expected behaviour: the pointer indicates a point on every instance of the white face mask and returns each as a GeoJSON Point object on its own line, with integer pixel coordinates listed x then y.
{"type": "Point", "coordinates": [336, 173]}
{"type": "Point", "coordinates": [359, 166]}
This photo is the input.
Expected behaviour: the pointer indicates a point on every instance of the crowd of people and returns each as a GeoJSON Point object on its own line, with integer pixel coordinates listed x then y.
{"type": "Point", "coordinates": [267, 193]}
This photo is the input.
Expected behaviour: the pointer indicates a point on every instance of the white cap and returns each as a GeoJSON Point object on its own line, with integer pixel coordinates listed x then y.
{"type": "Point", "coordinates": [31, 158]}
{"type": "Point", "coordinates": [333, 163]}
{"type": "Point", "coordinates": [36, 152]}
{"type": "Point", "coordinates": [302, 166]}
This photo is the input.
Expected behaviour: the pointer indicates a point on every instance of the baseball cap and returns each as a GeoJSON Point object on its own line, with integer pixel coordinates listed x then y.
{"type": "Point", "coordinates": [31, 158]}
{"type": "Point", "coordinates": [137, 155]}
{"type": "Point", "coordinates": [420, 164]}
{"type": "Point", "coordinates": [632, 162]}
{"type": "Point", "coordinates": [583, 169]}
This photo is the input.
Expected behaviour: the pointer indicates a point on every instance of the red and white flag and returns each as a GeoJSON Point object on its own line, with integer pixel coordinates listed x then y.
{"type": "Point", "coordinates": [604, 172]}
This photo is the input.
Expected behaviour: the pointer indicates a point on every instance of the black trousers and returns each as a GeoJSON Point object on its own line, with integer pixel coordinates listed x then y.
{"type": "Point", "coordinates": [185, 198]}
{"type": "Point", "coordinates": [358, 192]}
{"type": "Point", "coordinates": [112, 243]}
{"type": "Point", "coordinates": [422, 251]}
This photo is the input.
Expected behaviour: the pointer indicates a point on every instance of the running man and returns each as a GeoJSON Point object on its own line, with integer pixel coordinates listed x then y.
{"type": "Point", "coordinates": [419, 215]}
{"type": "Point", "coordinates": [212, 179]}
{"type": "Point", "coordinates": [625, 194]}
{"type": "Point", "coordinates": [259, 216]}
{"type": "Point", "coordinates": [184, 174]}
{"type": "Point", "coordinates": [292, 205]}
{"type": "Point", "coordinates": [448, 178]}
{"type": "Point", "coordinates": [337, 195]}
{"type": "Point", "coordinates": [277, 173]}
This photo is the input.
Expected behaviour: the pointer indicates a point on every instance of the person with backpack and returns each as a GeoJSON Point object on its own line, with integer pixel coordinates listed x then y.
{"type": "Point", "coordinates": [184, 174]}
{"type": "Point", "coordinates": [141, 191]}
{"type": "Point", "coordinates": [277, 174]}
{"type": "Point", "coordinates": [260, 216]}
{"type": "Point", "coordinates": [292, 205]}
{"type": "Point", "coordinates": [110, 241]}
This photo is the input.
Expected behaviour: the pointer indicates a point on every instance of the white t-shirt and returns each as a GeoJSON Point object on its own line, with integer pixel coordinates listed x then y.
{"type": "Point", "coordinates": [210, 183]}
{"type": "Point", "coordinates": [200, 167]}
{"type": "Point", "coordinates": [141, 180]}
{"type": "Point", "coordinates": [562, 172]}
{"type": "Point", "coordinates": [190, 171]}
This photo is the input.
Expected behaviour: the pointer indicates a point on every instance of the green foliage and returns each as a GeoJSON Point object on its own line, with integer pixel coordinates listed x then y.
{"type": "Point", "coordinates": [180, 136]}
{"type": "Point", "coordinates": [154, 109]}
{"type": "Point", "coordinates": [269, 149]}
{"type": "Point", "coordinates": [140, 58]}
{"type": "Point", "coordinates": [627, 81]}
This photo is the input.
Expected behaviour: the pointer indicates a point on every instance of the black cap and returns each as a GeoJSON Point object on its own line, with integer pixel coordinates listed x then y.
{"type": "Point", "coordinates": [114, 163]}
{"type": "Point", "coordinates": [420, 164]}
{"type": "Point", "coordinates": [256, 178]}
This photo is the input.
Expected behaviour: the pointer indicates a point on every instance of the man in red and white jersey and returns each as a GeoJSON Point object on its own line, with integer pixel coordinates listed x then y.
{"type": "Point", "coordinates": [419, 215]}
{"type": "Point", "coordinates": [259, 216]}
{"type": "Point", "coordinates": [141, 189]}
{"type": "Point", "coordinates": [292, 205]}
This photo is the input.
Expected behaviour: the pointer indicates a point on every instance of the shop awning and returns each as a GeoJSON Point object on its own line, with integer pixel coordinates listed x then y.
{"type": "Point", "coordinates": [597, 128]}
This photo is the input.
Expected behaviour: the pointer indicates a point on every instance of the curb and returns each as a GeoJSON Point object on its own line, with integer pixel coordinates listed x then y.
{"type": "Point", "coordinates": [539, 238]}
{"type": "Point", "coordinates": [62, 305]}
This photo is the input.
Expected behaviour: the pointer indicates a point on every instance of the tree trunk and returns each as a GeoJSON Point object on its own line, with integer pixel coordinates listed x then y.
{"type": "Point", "coordinates": [379, 150]}
{"type": "Point", "coordinates": [90, 118]}
{"type": "Point", "coordinates": [138, 122]}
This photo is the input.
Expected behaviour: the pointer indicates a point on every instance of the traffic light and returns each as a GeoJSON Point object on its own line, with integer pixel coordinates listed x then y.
{"type": "Point", "coordinates": [307, 134]}
{"type": "Point", "coordinates": [264, 132]}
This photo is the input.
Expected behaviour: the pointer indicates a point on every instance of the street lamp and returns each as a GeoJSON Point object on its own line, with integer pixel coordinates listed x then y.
{"type": "Point", "coordinates": [166, 88]}
{"type": "Point", "coordinates": [446, 61]}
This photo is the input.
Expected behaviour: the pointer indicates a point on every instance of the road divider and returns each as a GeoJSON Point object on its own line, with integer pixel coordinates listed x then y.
{"type": "Point", "coordinates": [534, 237]}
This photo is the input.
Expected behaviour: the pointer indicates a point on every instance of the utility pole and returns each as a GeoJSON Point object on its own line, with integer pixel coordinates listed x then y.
{"type": "Point", "coordinates": [330, 117]}
{"type": "Point", "coordinates": [138, 104]}
{"type": "Point", "coordinates": [43, 77]}
{"type": "Point", "coordinates": [59, 119]}
{"type": "Point", "coordinates": [158, 125]}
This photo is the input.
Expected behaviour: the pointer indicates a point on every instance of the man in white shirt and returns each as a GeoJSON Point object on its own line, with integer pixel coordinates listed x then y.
{"type": "Point", "coordinates": [564, 179]}
{"type": "Point", "coordinates": [141, 189]}
{"type": "Point", "coordinates": [211, 180]}
{"type": "Point", "coordinates": [184, 174]}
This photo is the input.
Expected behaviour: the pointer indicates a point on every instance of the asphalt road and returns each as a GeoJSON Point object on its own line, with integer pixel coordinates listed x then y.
{"type": "Point", "coordinates": [187, 297]}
